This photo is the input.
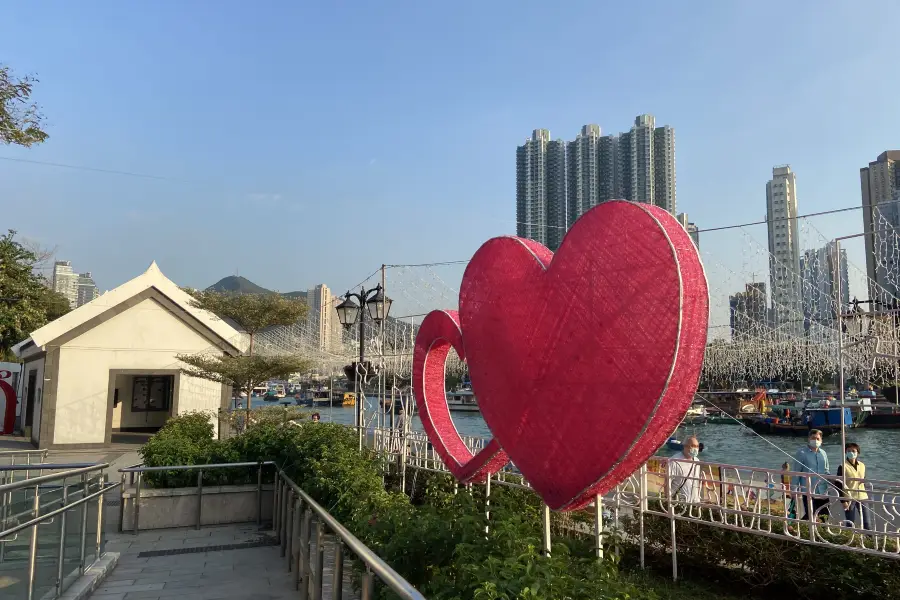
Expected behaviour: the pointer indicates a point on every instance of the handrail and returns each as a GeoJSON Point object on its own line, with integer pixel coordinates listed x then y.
{"type": "Point", "coordinates": [384, 571]}
{"type": "Point", "coordinates": [62, 514]}
{"type": "Point", "coordinates": [47, 466]}
{"type": "Point", "coordinates": [141, 469]}
{"type": "Point", "coordinates": [16, 452]}
{"type": "Point", "coordinates": [105, 488]}
{"type": "Point", "coordinates": [25, 483]}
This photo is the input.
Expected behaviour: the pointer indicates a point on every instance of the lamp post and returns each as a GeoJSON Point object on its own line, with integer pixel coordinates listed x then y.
{"type": "Point", "coordinates": [378, 306]}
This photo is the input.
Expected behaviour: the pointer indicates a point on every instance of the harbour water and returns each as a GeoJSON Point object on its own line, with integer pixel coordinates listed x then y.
{"type": "Point", "coordinates": [730, 444]}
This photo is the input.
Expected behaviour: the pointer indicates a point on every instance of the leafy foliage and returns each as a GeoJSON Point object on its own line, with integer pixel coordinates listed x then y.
{"type": "Point", "coordinates": [241, 372]}
{"type": "Point", "coordinates": [20, 118]}
{"type": "Point", "coordinates": [251, 312]}
{"type": "Point", "coordinates": [771, 567]}
{"type": "Point", "coordinates": [27, 302]}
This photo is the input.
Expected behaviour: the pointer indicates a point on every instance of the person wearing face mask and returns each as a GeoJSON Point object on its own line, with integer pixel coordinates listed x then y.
{"type": "Point", "coordinates": [684, 472]}
{"type": "Point", "coordinates": [854, 497]}
{"type": "Point", "coordinates": [812, 459]}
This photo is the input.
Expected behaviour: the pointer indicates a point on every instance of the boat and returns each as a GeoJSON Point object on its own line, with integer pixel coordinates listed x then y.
{"type": "Point", "coordinates": [825, 419]}
{"type": "Point", "coordinates": [696, 416]}
{"type": "Point", "coordinates": [259, 391]}
{"type": "Point", "coordinates": [462, 401]}
{"type": "Point", "coordinates": [678, 446]}
{"type": "Point", "coordinates": [723, 420]}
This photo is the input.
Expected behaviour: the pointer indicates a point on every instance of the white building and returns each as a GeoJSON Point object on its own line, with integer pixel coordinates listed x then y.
{"type": "Point", "coordinates": [78, 288]}
{"type": "Point", "coordinates": [323, 319]}
{"type": "Point", "coordinates": [110, 365]}
{"type": "Point", "coordinates": [784, 251]}
{"type": "Point", "coordinates": [65, 281]}
{"type": "Point", "coordinates": [880, 189]}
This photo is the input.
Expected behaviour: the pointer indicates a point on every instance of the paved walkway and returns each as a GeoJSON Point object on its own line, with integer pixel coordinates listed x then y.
{"type": "Point", "coordinates": [199, 565]}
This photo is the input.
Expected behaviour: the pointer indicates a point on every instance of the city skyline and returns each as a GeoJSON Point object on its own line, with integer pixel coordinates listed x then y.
{"type": "Point", "coordinates": [558, 181]}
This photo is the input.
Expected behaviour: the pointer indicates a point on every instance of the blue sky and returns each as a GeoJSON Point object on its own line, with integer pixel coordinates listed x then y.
{"type": "Point", "coordinates": [299, 143]}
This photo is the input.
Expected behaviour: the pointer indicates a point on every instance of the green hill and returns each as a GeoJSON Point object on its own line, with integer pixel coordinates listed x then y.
{"type": "Point", "coordinates": [235, 284]}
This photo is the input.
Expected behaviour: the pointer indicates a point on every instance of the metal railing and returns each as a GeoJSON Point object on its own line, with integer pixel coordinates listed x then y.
{"type": "Point", "coordinates": [293, 511]}
{"type": "Point", "coordinates": [757, 501]}
{"type": "Point", "coordinates": [41, 494]}
{"type": "Point", "coordinates": [136, 472]}
{"type": "Point", "coordinates": [12, 457]}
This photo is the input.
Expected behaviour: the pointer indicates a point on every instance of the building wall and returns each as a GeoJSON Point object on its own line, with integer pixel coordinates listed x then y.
{"type": "Point", "coordinates": [880, 184]}
{"type": "Point", "coordinates": [323, 318]}
{"type": "Point", "coordinates": [65, 281]}
{"type": "Point", "coordinates": [146, 337]}
{"type": "Point", "coordinates": [784, 250]}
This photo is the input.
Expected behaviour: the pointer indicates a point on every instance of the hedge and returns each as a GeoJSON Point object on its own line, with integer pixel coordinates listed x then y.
{"type": "Point", "coordinates": [435, 536]}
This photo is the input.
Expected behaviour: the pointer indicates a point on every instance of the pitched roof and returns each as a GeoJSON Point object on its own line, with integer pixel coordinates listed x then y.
{"type": "Point", "coordinates": [151, 278]}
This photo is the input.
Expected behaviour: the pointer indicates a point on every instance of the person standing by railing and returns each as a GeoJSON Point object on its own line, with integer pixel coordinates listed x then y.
{"type": "Point", "coordinates": [854, 497]}
{"type": "Point", "coordinates": [684, 472]}
{"type": "Point", "coordinates": [812, 459]}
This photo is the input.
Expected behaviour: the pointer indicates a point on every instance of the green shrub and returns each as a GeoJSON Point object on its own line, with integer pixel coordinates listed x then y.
{"type": "Point", "coordinates": [772, 568]}
{"type": "Point", "coordinates": [436, 538]}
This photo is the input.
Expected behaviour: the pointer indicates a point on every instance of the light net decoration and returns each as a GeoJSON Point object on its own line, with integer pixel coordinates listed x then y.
{"type": "Point", "coordinates": [757, 333]}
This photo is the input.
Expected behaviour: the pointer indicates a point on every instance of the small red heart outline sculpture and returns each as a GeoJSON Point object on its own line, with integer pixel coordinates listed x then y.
{"type": "Point", "coordinates": [441, 327]}
{"type": "Point", "coordinates": [583, 363]}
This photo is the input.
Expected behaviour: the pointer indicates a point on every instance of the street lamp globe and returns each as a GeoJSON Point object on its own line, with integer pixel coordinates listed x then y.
{"type": "Point", "coordinates": [347, 312]}
{"type": "Point", "coordinates": [379, 306]}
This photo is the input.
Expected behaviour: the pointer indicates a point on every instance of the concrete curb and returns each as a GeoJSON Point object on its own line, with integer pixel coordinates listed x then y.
{"type": "Point", "coordinates": [92, 578]}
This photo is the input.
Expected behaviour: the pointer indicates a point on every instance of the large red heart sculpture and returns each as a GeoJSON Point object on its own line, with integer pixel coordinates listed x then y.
{"type": "Point", "coordinates": [583, 363]}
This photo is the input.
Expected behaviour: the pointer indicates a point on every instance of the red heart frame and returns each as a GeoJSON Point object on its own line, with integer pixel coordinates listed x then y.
{"type": "Point", "coordinates": [498, 260]}
{"type": "Point", "coordinates": [439, 332]}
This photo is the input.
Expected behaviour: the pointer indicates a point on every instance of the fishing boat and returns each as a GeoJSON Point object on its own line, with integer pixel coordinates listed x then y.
{"type": "Point", "coordinates": [696, 416]}
{"type": "Point", "coordinates": [825, 419]}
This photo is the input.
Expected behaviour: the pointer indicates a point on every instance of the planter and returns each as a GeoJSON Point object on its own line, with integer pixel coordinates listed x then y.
{"type": "Point", "coordinates": [177, 507]}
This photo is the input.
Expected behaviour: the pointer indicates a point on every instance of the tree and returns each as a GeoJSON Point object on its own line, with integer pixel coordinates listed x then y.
{"type": "Point", "coordinates": [20, 118]}
{"type": "Point", "coordinates": [26, 302]}
{"type": "Point", "coordinates": [252, 313]}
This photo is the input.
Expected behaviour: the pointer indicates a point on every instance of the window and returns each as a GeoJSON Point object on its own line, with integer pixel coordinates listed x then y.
{"type": "Point", "coordinates": [152, 393]}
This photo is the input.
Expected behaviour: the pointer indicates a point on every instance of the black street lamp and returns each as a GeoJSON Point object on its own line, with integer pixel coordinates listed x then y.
{"type": "Point", "coordinates": [378, 306]}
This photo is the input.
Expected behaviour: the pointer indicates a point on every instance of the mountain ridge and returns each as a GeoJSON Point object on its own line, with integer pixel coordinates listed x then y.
{"type": "Point", "coordinates": [236, 284]}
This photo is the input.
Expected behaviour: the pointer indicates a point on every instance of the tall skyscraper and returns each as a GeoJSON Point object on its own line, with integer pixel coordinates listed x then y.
{"type": "Point", "coordinates": [541, 189]}
{"type": "Point", "coordinates": [583, 164]}
{"type": "Point", "coordinates": [648, 163]}
{"type": "Point", "coordinates": [784, 250]}
{"type": "Point", "coordinates": [323, 319]}
{"type": "Point", "coordinates": [820, 281]}
{"type": "Point", "coordinates": [557, 182]}
{"type": "Point", "coordinates": [65, 281]}
{"type": "Point", "coordinates": [880, 187]}
{"type": "Point", "coordinates": [86, 289]}
{"type": "Point", "coordinates": [691, 228]}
